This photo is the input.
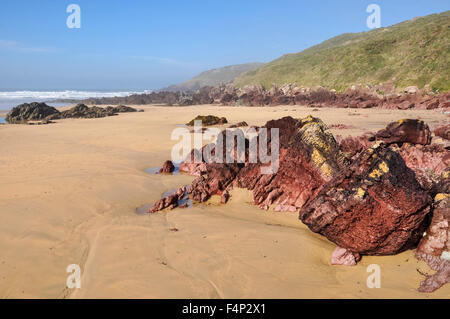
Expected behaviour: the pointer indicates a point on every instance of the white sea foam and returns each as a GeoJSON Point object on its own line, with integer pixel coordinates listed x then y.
{"type": "Point", "coordinates": [53, 95]}
{"type": "Point", "coordinates": [9, 99]}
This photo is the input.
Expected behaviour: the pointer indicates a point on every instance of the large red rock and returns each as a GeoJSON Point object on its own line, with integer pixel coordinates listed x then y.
{"type": "Point", "coordinates": [309, 157]}
{"type": "Point", "coordinates": [434, 248]}
{"type": "Point", "coordinates": [405, 131]}
{"type": "Point", "coordinates": [374, 207]}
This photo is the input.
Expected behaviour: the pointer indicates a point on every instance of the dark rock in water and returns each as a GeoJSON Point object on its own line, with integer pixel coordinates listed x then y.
{"type": "Point", "coordinates": [443, 131]}
{"type": "Point", "coordinates": [167, 167]}
{"type": "Point", "coordinates": [169, 202]}
{"type": "Point", "coordinates": [405, 131]}
{"type": "Point", "coordinates": [208, 120]}
{"type": "Point", "coordinates": [434, 248]}
{"type": "Point", "coordinates": [374, 207]}
{"type": "Point", "coordinates": [30, 112]}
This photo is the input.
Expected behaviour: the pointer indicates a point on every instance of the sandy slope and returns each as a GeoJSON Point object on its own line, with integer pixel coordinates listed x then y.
{"type": "Point", "coordinates": [68, 195]}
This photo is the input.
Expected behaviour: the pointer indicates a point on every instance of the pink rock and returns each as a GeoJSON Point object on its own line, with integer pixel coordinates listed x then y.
{"type": "Point", "coordinates": [344, 257]}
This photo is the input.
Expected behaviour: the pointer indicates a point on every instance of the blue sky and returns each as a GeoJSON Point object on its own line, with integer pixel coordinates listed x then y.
{"type": "Point", "coordinates": [138, 44]}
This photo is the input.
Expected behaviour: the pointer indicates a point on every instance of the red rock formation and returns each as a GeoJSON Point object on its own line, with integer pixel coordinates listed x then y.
{"type": "Point", "coordinates": [374, 207]}
{"type": "Point", "coordinates": [309, 157]}
{"type": "Point", "coordinates": [443, 131]}
{"type": "Point", "coordinates": [434, 248]}
{"type": "Point", "coordinates": [169, 202]}
{"type": "Point", "coordinates": [405, 131]}
{"type": "Point", "coordinates": [353, 146]}
{"type": "Point", "coordinates": [167, 167]}
{"type": "Point", "coordinates": [431, 165]}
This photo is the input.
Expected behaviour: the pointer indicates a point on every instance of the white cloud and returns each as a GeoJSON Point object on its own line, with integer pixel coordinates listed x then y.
{"type": "Point", "coordinates": [16, 46]}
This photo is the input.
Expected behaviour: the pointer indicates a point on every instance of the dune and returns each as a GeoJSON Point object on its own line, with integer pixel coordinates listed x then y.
{"type": "Point", "coordinates": [69, 193]}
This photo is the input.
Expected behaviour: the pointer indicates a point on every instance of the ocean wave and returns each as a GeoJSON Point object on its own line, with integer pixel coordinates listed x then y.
{"type": "Point", "coordinates": [56, 95]}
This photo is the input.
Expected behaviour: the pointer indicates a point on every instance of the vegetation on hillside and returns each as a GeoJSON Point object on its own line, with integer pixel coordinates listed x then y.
{"type": "Point", "coordinates": [214, 77]}
{"type": "Point", "coordinates": [415, 52]}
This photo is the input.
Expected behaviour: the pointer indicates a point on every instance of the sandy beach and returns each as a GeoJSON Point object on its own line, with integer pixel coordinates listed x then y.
{"type": "Point", "coordinates": [69, 193]}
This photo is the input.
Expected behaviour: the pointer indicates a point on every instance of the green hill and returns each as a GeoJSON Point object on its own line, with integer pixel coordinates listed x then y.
{"type": "Point", "coordinates": [415, 52]}
{"type": "Point", "coordinates": [214, 77]}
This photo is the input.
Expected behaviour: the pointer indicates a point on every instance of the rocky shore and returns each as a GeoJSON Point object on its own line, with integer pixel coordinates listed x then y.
{"type": "Point", "coordinates": [370, 195]}
{"type": "Point", "coordinates": [41, 113]}
{"type": "Point", "coordinates": [384, 95]}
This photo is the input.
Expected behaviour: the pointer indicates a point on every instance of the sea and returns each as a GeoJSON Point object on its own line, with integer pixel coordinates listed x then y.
{"type": "Point", "coordinates": [12, 98]}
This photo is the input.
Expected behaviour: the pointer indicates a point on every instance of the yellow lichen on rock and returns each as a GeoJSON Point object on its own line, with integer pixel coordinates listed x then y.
{"type": "Point", "coordinates": [360, 193]}
{"type": "Point", "coordinates": [378, 172]}
{"type": "Point", "coordinates": [440, 197]}
{"type": "Point", "coordinates": [384, 167]}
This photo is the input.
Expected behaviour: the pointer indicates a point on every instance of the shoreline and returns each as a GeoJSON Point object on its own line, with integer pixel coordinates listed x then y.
{"type": "Point", "coordinates": [71, 189]}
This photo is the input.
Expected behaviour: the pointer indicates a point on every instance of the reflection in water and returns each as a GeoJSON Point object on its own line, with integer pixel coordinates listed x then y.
{"type": "Point", "coordinates": [2, 120]}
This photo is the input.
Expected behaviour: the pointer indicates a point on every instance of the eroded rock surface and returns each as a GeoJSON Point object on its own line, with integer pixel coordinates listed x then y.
{"type": "Point", "coordinates": [405, 131]}
{"type": "Point", "coordinates": [344, 257]}
{"type": "Point", "coordinates": [368, 197]}
{"type": "Point", "coordinates": [374, 207]}
{"type": "Point", "coordinates": [434, 248]}
{"type": "Point", "coordinates": [30, 112]}
{"type": "Point", "coordinates": [169, 202]}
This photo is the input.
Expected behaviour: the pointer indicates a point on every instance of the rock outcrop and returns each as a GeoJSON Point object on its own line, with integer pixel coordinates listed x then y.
{"type": "Point", "coordinates": [309, 157]}
{"type": "Point", "coordinates": [443, 131]}
{"type": "Point", "coordinates": [169, 202]}
{"type": "Point", "coordinates": [434, 248]}
{"type": "Point", "coordinates": [370, 195]}
{"type": "Point", "coordinates": [43, 113]}
{"type": "Point", "coordinates": [167, 167]}
{"type": "Point", "coordinates": [431, 165]}
{"type": "Point", "coordinates": [30, 112]}
{"type": "Point", "coordinates": [83, 111]}
{"type": "Point", "coordinates": [373, 207]}
{"type": "Point", "coordinates": [208, 120]}
{"type": "Point", "coordinates": [382, 96]}
{"type": "Point", "coordinates": [405, 131]}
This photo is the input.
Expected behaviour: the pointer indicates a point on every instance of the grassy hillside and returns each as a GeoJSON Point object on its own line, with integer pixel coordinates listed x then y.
{"type": "Point", "coordinates": [215, 77]}
{"type": "Point", "coordinates": [415, 52]}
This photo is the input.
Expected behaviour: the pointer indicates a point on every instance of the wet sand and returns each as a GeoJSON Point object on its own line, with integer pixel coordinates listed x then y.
{"type": "Point", "coordinates": [69, 193]}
